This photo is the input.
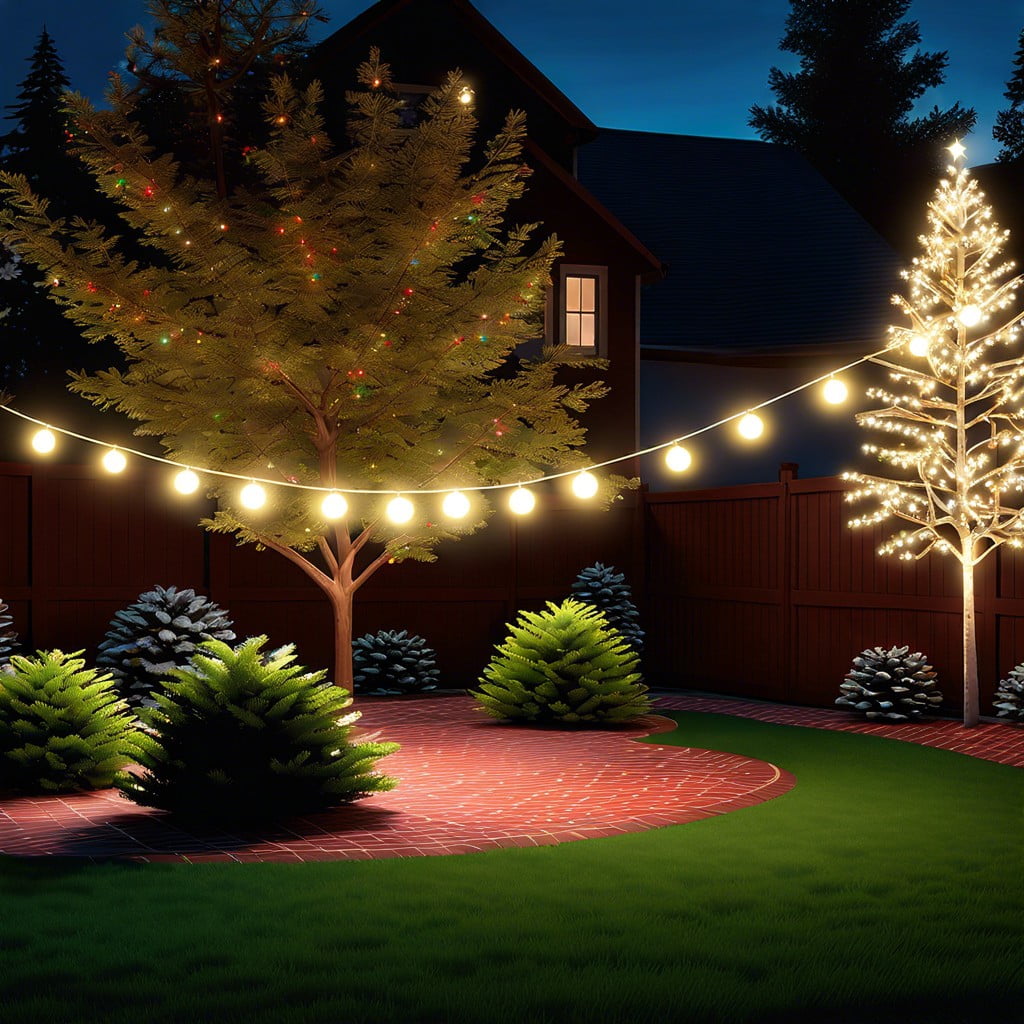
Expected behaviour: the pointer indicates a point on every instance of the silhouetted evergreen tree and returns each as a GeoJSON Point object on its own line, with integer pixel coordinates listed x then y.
{"type": "Point", "coordinates": [39, 344]}
{"type": "Point", "coordinates": [848, 107]}
{"type": "Point", "coordinates": [1009, 127]}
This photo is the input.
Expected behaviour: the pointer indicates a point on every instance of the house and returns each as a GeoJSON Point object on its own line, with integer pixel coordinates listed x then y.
{"type": "Point", "coordinates": [710, 273]}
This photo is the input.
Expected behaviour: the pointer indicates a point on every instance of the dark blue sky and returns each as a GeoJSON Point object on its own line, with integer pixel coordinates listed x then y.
{"type": "Point", "coordinates": [688, 66]}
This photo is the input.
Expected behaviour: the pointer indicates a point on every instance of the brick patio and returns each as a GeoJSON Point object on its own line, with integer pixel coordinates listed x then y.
{"type": "Point", "coordinates": [469, 783]}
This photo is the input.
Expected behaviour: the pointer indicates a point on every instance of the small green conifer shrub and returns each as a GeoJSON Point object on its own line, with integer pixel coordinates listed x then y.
{"type": "Point", "coordinates": [565, 664]}
{"type": "Point", "coordinates": [391, 662]}
{"type": "Point", "coordinates": [892, 684]}
{"type": "Point", "coordinates": [244, 736]}
{"type": "Point", "coordinates": [1009, 701]}
{"type": "Point", "coordinates": [156, 633]}
{"type": "Point", "coordinates": [62, 725]}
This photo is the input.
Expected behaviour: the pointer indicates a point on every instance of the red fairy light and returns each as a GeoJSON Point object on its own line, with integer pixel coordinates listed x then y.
{"type": "Point", "coordinates": [408, 291]}
{"type": "Point", "coordinates": [478, 198]}
{"type": "Point", "coordinates": [89, 286]}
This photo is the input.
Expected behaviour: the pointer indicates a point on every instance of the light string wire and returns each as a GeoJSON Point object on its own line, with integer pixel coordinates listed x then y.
{"type": "Point", "coordinates": [249, 478]}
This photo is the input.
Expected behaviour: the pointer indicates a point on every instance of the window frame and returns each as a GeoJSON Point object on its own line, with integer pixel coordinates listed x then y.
{"type": "Point", "coordinates": [600, 276]}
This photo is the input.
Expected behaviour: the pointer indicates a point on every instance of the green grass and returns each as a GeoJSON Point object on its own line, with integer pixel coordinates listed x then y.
{"type": "Point", "coordinates": [887, 886]}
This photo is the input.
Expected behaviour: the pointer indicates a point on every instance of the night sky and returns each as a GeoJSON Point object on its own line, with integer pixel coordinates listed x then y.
{"type": "Point", "coordinates": [656, 65]}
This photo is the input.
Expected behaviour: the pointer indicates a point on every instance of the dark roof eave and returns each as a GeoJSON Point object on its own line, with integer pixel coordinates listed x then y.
{"type": "Point", "coordinates": [767, 356]}
{"type": "Point", "coordinates": [655, 268]}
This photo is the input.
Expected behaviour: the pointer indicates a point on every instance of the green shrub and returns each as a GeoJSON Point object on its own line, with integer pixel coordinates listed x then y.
{"type": "Point", "coordinates": [892, 684]}
{"type": "Point", "coordinates": [565, 664]}
{"type": "Point", "coordinates": [158, 632]}
{"type": "Point", "coordinates": [62, 725]}
{"type": "Point", "coordinates": [1009, 702]}
{"type": "Point", "coordinates": [390, 662]}
{"type": "Point", "coordinates": [607, 590]}
{"type": "Point", "coordinates": [242, 736]}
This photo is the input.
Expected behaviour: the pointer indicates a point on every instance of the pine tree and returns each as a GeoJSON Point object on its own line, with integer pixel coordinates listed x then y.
{"type": "Point", "coordinates": [37, 340]}
{"type": "Point", "coordinates": [957, 457]}
{"type": "Point", "coordinates": [1009, 126]}
{"type": "Point", "coordinates": [848, 107]}
{"type": "Point", "coordinates": [347, 324]}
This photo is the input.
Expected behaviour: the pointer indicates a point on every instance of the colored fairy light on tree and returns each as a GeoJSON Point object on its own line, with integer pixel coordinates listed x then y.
{"type": "Point", "coordinates": [956, 424]}
{"type": "Point", "coordinates": [269, 385]}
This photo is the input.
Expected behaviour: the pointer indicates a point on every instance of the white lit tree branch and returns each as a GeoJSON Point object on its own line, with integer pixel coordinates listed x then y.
{"type": "Point", "coordinates": [955, 420]}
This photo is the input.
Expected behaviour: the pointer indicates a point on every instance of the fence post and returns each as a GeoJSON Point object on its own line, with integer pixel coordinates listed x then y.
{"type": "Point", "coordinates": [787, 474]}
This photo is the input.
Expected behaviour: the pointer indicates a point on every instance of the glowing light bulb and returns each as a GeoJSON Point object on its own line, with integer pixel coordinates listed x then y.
{"type": "Point", "coordinates": [521, 501]}
{"type": "Point", "coordinates": [400, 510]}
{"type": "Point", "coordinates": [834, 391]}
{"type": "Point", "coordinates": [253, 496]}
{"type": "Point", "coordinates": [44, 441]}
{"type": "Point", "coordinates": [466, 96]}
{"type": "Point", "coordinates": [750, 426]}
{"type": "Point", "coordinates": [918, 345]}
{"type": "Point", "coordinates": [186, 482]}
{"type": "Point", "coordinates": [969, 315]}
{"type": "Point", "coordinates": [957, 149]}
{"type": "Point", "coordinates": [584, 485]}
{"type": "Point", "coordinates": [455, 505]}
{"type": "Point", "coordinates": [334, 506]}
{"type": "Point", "coordinates": [114, 461]}
{"type": "Point", "coordinates": [678, 459]}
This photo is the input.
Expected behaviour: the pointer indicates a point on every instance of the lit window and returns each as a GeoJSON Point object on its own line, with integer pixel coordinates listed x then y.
{"type": "Point", "coordinates": [581, 311]}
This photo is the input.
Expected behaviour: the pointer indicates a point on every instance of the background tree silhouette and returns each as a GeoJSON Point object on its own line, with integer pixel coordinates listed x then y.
{"type": "Point", "coordinates": [38, 343]}
{"type": "Point", "coordinates": [849, 107]}
{"type": "Point", "coordinates": [1009, 126]}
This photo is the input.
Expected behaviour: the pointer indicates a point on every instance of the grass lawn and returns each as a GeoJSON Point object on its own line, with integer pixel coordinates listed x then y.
{"type": "Point", "coordinates": [887, 886]}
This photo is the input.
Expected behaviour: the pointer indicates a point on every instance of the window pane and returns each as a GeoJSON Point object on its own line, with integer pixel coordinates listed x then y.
{"type": "Point", "coordinates": [588, 298]}
{"type": "Point", "coordinates": [588, 329]}
{"type": "Point", "coordinates": [572, 294]}
{"type": "Point", "coordinates": [572, 328]}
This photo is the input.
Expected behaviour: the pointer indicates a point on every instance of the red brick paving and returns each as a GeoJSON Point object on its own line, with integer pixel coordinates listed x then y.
{"type": "Point", "coordinates": [1002, 742]}
{"type": "Point", "coordinates": [468, 783]}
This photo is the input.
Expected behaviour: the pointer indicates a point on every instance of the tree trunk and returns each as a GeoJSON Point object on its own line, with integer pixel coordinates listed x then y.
{"type": "Point", "coordinates": [971, 704]}
{"type": "Point", "coordinates": [341, 606]}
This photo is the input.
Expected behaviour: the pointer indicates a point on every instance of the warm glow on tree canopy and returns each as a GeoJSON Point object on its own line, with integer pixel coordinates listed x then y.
{"type": "Point", "coordinates": [952, 429]}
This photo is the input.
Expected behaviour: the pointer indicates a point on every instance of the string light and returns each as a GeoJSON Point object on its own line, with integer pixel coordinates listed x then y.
{"type": "Point", "coordinates": [584, 485]}
{"type": "Point", "coordinates": [186, 482]}
{"type": "Point", "coordinates": [676, 455]}
{"type": "Point", "coordinates": [400, 510]}
{"type": "Point", "coordinates": [334, 506]}
{"type": "Point", "coordinates": [114, 461]}
{"type": "Point", "coordinates": [466, 96]}
{"type": "Point", "coordinates": [751, 426]}
{"type": "Point", "coordinates": [834, 391]}
{"type": "Point", "coordinates": [253, 496]}
{"type": "Point", "coordinates": [678, 458]}
{"type": "Point", "coordinates": [455, 505]}
{"type": "Point", "coordinates": [521, 501]}
{"type": "Point", "coordinates": [44, 441]}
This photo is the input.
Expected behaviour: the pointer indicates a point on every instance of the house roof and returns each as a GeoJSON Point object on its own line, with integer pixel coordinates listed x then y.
{"type": "Point", "coordinates": [653, 268]}
{"type": "Point", "coordinates": [762, 254]}
{"type": "Point", "coordinates": [365, 24]}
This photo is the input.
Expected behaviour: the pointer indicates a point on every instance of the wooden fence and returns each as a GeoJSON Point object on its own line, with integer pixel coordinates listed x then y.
{"type": "Point", "coordinates": [80, 544]}
{"type": "Point", "coordinates": [759, 590]}
{"type": "Point", "coordinates": [764, 591]}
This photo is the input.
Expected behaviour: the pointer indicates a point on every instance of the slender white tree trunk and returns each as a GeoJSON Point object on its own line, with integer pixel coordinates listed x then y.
{"type": "Point", "coordinates": [971, 704]}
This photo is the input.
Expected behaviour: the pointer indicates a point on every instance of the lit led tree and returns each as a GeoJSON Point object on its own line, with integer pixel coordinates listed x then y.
{"type": "Point", "coordinates": [955, 416]}
{"type": "Point", "coordinates": [344, 320]}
